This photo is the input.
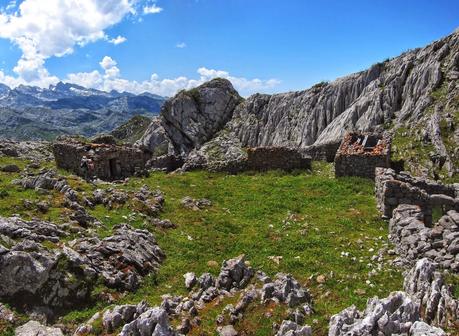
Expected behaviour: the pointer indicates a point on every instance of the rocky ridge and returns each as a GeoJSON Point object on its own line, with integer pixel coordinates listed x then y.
{"type": "Point", "coordinates": [387, 96]}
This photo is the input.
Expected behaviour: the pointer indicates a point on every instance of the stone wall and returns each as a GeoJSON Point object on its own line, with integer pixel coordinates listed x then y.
{"type": "Point", "coordinates": [393, 189]}
{"type": "Point", "coordinates": [360, 153]}
{"type": "Point", "coordinates": [414, 239]}
{"type": "Point", "coordinates": [323, 152]}
{"type": "Point", "coordinates": [111, 162]}
{"type": "Point", "coordinates": [270, 158]}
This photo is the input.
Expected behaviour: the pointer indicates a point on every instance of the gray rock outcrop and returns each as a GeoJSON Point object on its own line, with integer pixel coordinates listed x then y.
{"type": "Point", "coordinates": [191, 118]}
{"type": "Point", "coordinates": [121, 259]}
{"type": "Point", "coordinates": [36, 329]}
{"type": "Point", "coordinates": [427, 286]}
{"type": "Point", "coordinates": [392, 315]}
{"type": "Point", "coordinates": [63, 274]}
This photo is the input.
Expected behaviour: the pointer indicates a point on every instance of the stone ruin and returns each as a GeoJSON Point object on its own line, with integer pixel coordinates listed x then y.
{"type": "Point", "coordinates": [269, 158]}
{"type": "Point", "coordinates": [219, 157]}
{"type": "Point", "coordinates": [111, 161]}
{"type": "Point", "coordinates": [394, 189]}
{"type": "Point", "coordinates": [360, 153]}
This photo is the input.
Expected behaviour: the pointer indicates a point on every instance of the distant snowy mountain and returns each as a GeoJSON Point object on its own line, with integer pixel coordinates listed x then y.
{"type": "Point", "coordinates": [29, 112]}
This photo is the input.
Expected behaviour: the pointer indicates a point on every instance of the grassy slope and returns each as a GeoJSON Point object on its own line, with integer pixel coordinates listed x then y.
{"type": "Point", "coordinates": [307, 218]}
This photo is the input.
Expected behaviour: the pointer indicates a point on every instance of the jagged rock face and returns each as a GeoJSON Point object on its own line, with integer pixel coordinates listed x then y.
{"type": "Point", "coordinates": [364, 101]}
{"type": "Point", "coordinates": [392, 315]}
{"type": "Point", "coordinates": [191, 118]}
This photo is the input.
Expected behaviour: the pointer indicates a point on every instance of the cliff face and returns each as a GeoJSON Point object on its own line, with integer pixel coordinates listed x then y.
{"type": "Point", "coordinates": [398, 89]}
{"type": "Point", "coordinates": [396, 92]}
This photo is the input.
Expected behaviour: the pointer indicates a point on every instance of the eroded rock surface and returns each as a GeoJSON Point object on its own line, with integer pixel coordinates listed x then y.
{"type": "Point", "coordinates": [427, 286]}
{"type": "Point", "coordinates": [390, 316]}
{"type": "Point", "coordinates": [191, 118]}
{"type": "Point", "coordinates": [62, 275]}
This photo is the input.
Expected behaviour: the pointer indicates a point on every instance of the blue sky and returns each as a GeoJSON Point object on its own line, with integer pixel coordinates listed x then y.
{"type": "Point", "coordinates": [268, 46]}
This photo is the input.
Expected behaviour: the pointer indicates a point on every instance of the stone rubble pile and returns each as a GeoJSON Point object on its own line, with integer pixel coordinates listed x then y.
{"type": "Point", "coordinates": [394, 189]}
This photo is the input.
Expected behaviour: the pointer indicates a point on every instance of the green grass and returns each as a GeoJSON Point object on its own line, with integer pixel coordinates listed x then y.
{"type": "Point", "coordinates": [307, 218]}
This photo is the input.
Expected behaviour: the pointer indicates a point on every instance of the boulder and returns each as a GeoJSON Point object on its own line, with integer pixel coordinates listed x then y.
{"type": "Point", "coordinates": [420, 328]}
{"type": "Point", "coordinates": [36, 329]}
{"type": "Point", "coordinates": [234, 274]}
{"type": "Point", "coordinates": [153, 322]}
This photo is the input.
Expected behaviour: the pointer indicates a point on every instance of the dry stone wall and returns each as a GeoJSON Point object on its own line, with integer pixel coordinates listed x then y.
{"type": "Point", "coordinates": [393, 189]}
{"type": "Point", "coordinates": [270, 158]}
{"type": "Point", "coordinates": [414, 240]}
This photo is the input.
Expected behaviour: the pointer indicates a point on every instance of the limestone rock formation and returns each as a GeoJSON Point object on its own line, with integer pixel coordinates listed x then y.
{"type": "Point", "coordinates": [121, 259]}
{"type": "Point", "coordinates": [427, 286]}
{"type": "Point", "coordinates": [214, 125]}
{"type": "Point", "coordinates": [392, 315]}
{"type": "Point", "coordinates": [37, 329]}
{"type": "Point", "coordinates": [63, 275]}
{"type": "Point", "coordinates": [191, 118]}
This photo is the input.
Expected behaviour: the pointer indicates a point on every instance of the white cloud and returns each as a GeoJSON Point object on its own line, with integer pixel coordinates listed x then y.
{"type": "Point", "coordinates": [110, 79]}
{"type": "Point", "coordinates": [43, 29]}
{"type": "Point", "coordinates": [153, 9]}
{"type": "Point", "coordinates": [181, 45]}
{"type": "Point", "coordinates": [118, 40]}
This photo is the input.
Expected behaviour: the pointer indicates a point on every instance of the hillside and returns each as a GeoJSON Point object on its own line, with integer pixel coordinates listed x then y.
{"type": "Point", "coordinates": [32, 113]}
{"type": "Point", "coordinates": [132, 130]}
{"type": "Point", "coordinates": [415, 96]}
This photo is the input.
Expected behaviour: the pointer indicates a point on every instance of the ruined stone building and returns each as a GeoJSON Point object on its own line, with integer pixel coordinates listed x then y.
{"type": "Point", "coordinates": [360, 153]}
{"type": "Point", "coordinates": [108, 161]}
{"type": "Point", "coordinates": [394, 189]}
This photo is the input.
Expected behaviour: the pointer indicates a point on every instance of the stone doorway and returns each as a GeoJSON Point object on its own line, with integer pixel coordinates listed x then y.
{"type": "Point", "coordinates": [114, 171]}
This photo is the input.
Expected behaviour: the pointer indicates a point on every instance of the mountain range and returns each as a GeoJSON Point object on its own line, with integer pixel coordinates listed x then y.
{"type": "Point", "coordinates": [33, 113]}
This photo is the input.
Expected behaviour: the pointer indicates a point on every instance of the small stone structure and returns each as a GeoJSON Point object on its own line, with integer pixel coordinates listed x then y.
{"type": "Point", "coordinates": [111, 162]}
{"type": "Point", "coordinates": [360, 153]}
{"type": "Point", "coordinates": [393, 189]}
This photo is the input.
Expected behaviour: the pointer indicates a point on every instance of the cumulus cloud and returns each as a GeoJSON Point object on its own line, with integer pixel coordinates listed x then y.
{"type": "Point", "coordinates": [43, 29]}
{"type": "Point", "coordinates": [110, 79]}
{"type": "Point", "coordinates": [152, 9]}
{"type": "Point", "coordinates": [181, 45]}
{"type": "Point", "coordinates": [118, 40]}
